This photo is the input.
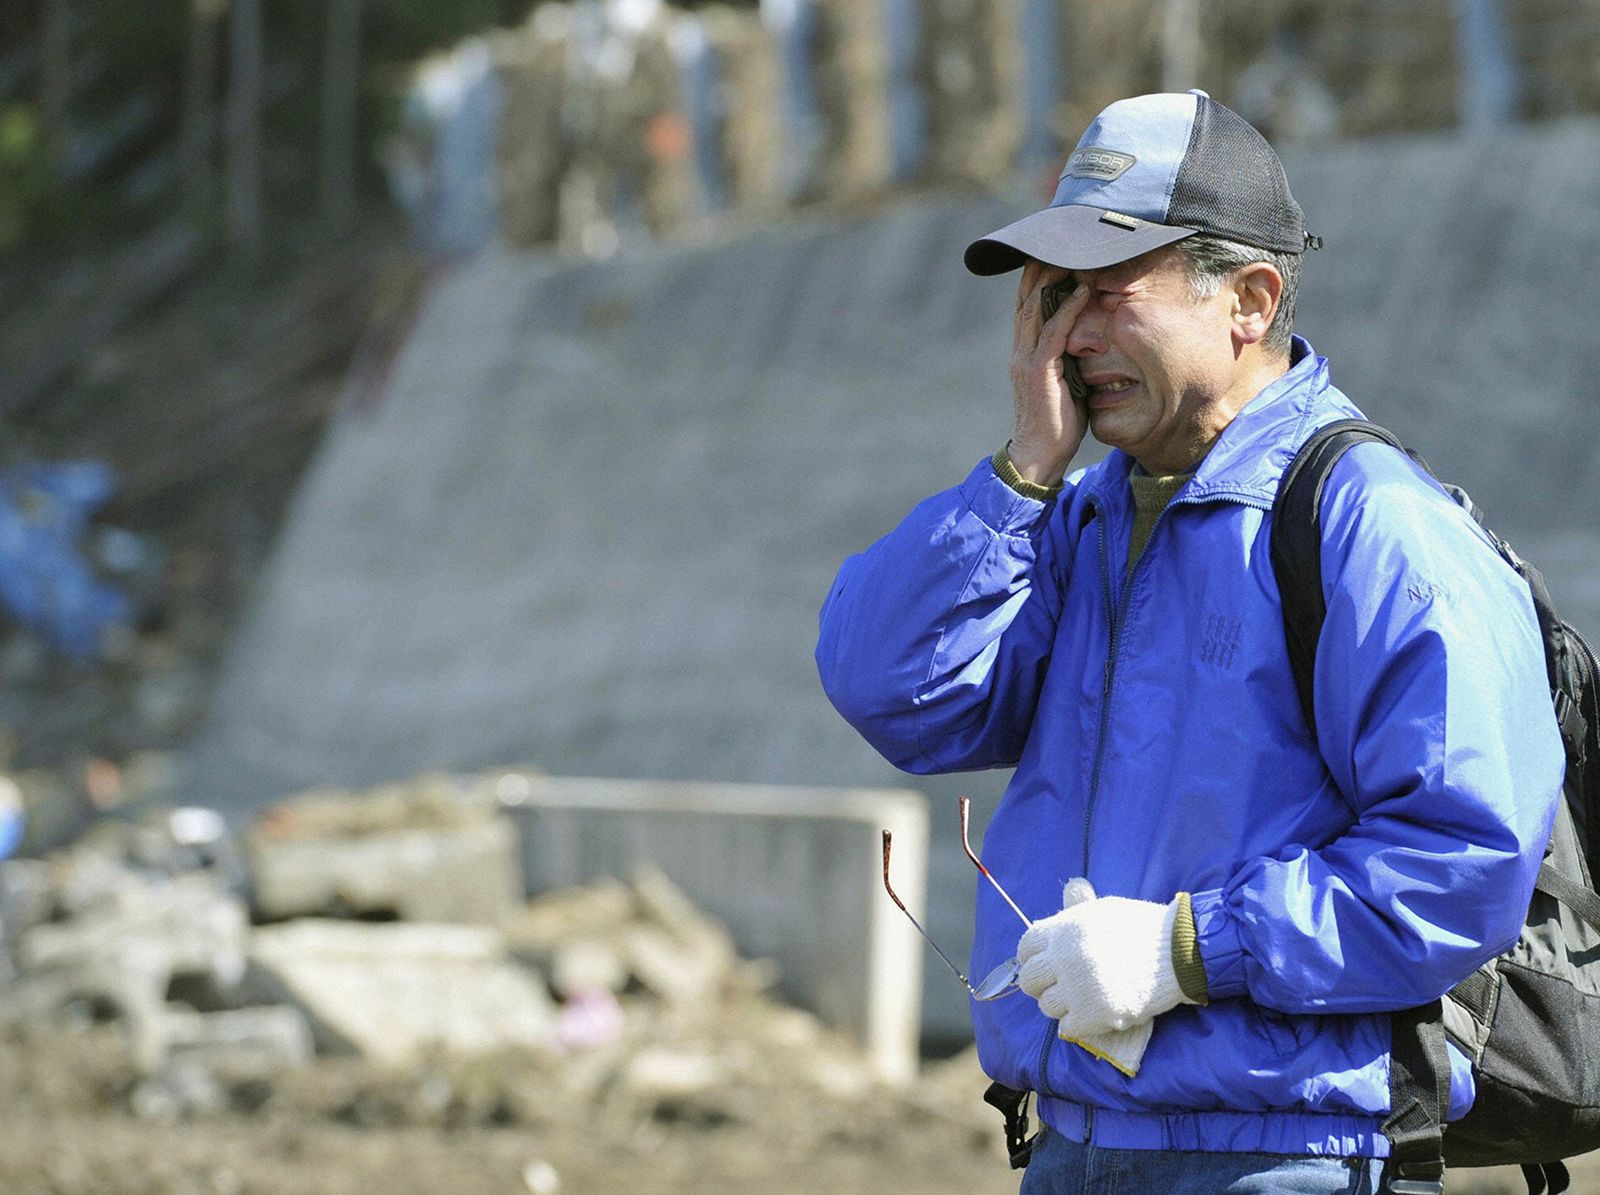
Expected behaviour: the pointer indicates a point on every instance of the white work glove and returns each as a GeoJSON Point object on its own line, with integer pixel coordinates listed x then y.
{"type": "Point", "coordinates": [1102, 969]}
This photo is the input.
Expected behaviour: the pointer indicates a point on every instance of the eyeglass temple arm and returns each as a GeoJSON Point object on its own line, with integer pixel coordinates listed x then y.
{"type": "Point", "coordinates": [889, 888]}
{"type": "Point", "coordinates": [964, 805]}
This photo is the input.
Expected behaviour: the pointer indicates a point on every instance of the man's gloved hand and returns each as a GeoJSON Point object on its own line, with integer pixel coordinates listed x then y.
{"type": "Point", "coordinates": [1102, 968]}
{"type": "Point", "coordinates": [1122, 1048]}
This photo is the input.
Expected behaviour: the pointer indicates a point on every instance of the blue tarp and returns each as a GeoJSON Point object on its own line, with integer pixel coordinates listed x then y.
{"type": "Point", "coordinates": [48, 581]}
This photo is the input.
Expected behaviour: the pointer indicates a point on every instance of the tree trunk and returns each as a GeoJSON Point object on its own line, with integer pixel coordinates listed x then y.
{"type": "Point", "coordinates": [55, 83]}
{"type": "Point", "coordinates": [197, 131]}
{"type": "Point", "coordinates": [341, 96]}
{"type": "Point", "coordinates": [244, 131]}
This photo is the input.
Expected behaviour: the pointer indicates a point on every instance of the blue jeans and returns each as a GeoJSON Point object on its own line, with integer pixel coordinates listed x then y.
{"type": "Point", "coordinates": [1061, 1166]}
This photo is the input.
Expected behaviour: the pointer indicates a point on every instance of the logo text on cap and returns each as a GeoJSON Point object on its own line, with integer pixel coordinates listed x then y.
{"type": "Point", "coordinates": [1092, 161]}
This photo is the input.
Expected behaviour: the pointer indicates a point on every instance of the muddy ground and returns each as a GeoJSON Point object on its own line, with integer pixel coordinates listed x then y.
{"type": "Point", "coordinates": [75, 1119]}
{"type": "Point", "coordinates": [71, 1124]}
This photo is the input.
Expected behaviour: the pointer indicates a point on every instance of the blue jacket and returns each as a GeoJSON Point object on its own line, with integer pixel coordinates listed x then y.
{"type": "Point", "coordinates": [1160, 747]}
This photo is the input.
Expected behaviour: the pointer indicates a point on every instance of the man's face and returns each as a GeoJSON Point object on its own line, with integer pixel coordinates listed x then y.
{"type": "Point", "coordinates": [1158, 362]}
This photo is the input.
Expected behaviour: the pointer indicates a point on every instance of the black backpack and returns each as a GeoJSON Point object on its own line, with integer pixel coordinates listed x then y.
{"type": "Point", "coordinates": [1530, 1019]}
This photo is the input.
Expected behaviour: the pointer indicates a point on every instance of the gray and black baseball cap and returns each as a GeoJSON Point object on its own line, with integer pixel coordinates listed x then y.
{"type": "Point", "coordinates": [1149, 171]}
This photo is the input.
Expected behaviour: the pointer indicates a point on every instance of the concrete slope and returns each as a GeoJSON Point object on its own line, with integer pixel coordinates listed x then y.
{"type": "Point", "coordinates": [591, 523]}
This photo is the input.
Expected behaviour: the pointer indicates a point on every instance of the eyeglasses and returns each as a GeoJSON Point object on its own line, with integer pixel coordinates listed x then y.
{"type": "Point", "coordinates": [1003, 979]}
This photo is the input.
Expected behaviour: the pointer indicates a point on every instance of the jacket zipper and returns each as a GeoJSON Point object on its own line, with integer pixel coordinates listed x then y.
{"type": "Point", "coordinates": [1114, 618]}
{"type": "Point", "coordinates": [1114, 623]}
{"type": "Point", "coordinates": [1594, 664]}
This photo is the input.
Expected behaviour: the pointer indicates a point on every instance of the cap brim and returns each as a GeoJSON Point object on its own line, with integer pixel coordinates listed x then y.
{"type": "Point", "coordinates": [1072, 237]}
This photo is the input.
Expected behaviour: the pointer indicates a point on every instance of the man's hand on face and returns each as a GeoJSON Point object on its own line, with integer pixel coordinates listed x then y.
{"type": "Point", "coordinates": [1047, 424]}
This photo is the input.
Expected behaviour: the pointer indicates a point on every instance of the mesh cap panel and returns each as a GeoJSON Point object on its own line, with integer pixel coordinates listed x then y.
{"type": "Point", "coordinates": [1232, 184]}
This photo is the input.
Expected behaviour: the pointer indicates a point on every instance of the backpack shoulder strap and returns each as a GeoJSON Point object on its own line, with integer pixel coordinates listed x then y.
{"type": "Point", "coordinates": [1419, 1083]}
{"type": "Point", "coordinates": [1296, 539]}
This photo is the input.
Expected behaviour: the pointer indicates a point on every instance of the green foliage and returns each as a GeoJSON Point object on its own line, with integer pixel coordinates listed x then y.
{"type": "Point", "coordinates": [24, 177]}
{"type": "Point", "coordinates": [141, 49]}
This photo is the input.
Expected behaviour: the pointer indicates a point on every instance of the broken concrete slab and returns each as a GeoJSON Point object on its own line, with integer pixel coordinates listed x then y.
{"type": "Point", "coordinates": [394, 992]}
{"type": "Point", "coordinates": [96, 936]}
{"type": "Point", "coordinates": [604, 935]}
{"type": "Point", "coordinates": [126, 936]}
{"type": "Point", "coordinates": [115, 989]}
{"type": "Point", "coordinates": [239, 1039]}
{"type": "Point", "coordinates": [418, 853]}
{"type": "Point", "coordinates": [183, 925]}
{"type": "Point", "coordinates": [794, 873]}
{"type": "Point", "coordinates": [552, 920]}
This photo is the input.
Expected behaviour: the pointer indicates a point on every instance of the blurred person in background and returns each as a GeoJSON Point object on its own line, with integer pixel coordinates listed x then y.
{"type": "Point", "coordinates": [1226, 905]}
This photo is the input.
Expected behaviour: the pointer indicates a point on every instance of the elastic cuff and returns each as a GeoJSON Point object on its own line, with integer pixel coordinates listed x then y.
{"type": "Point", "coordinates": [1168, 992]}
{"type": "Point", "coordinates": [1217, 938]}
{"type": "Point", "coordinates": [998, 506]}
{"type": "Point", "coordinates": [1007, 472]}
{"type": "Point", "coordinates": [1186, 961]}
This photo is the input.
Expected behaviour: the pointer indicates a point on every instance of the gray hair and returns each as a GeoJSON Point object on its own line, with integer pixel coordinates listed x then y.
{"type": "Point", "coordinates": [1212, 260]}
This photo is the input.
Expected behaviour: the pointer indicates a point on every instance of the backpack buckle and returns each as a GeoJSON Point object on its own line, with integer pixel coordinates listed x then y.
{"type": "Point", "coordinates": [1574, 726]}
{"type": "Point", "coordinates": [1013, 1105]}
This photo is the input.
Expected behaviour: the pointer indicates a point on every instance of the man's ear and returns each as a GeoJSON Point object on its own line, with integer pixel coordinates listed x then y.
{"type": "Point", "coordinates": [1256, 290]}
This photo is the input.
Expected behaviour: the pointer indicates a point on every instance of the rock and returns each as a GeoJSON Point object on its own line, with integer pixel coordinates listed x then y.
{"type": "Point", "coordinates": [242, 1039]}
{"type": "Point", "coordinates": [685, 976]}
{"type": "Point", "coordinates": [656, 1073]}
{"type": "Point", "coordinates": [178, 1092]}
{"type": "Point", "coordinates": [839, 1076]}
{"type": "Point", "coordinates": [677, 951]}
{"type": "Point", "coordinates": [599, 936]}
{"type": "Point", "coordinates": [391, 993]}
{"type": "Point", "coordinates": [588, 965]}
{"type": "Point", "coordinates": [541, 1178]}
{"type": "Point", "coordinates": [553, 919]}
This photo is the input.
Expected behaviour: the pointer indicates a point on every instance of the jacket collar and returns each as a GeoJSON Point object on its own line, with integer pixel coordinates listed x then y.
{"type": "Point", "coordinates": [1253, 451]}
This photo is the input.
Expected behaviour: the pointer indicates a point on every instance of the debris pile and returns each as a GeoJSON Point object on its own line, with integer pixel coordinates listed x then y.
{"type": "Point", "coordinates": [627, 120]}
{"type": "Point", "coordinates": [597, 124]}
{"type": "Point", "coordinates": [359, 959]}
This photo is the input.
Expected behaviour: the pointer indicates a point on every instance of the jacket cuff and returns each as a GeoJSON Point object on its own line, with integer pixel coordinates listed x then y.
{"type": "Point", "coordinates": [1007, 472]}
{"type": "Point", "coordinates": [1217, 942]}
{"type": "Point", "coordinates": [1186, 961]}
{"type": "Point", "coordinates": [1001, 508]}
